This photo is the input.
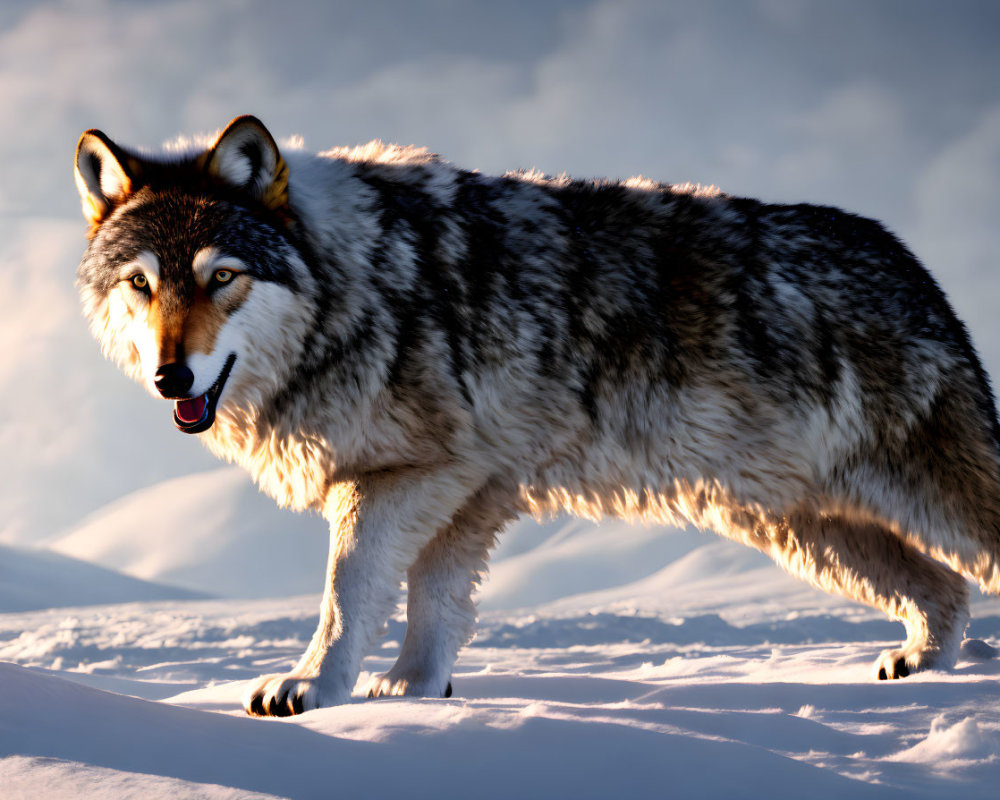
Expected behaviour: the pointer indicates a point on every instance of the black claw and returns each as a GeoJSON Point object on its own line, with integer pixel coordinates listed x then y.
{"type": "Point", "coordinates": [257, 706]}
{"type": "Point", "coordinates": [881, 674]}
{"type": "Point", "coordinates": [278, 707]}
{"type": "Point", "coordinates": [371, 694]}
{"type": "Point", "coordinates": [901, 669]}
{"type": "Point", "coordinates": [297, 704]}
{"type": "Point", "coordinates": [447, 690]}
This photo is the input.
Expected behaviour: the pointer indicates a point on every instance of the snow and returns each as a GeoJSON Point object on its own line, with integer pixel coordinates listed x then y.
{"type": "Point", "coordinates": [482, 747]}
{"type": "Point", "coordinates": [217, 540]}
{"type": "Point", "coordinates": [712, 675]}
{"type": "Point", "coordinates": [36, 578]}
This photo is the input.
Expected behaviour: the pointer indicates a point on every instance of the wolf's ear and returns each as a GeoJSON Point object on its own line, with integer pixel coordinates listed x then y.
{"type": "Point", "coordinates": [102, 175]}
{"type": "Point", "coordinates": [246, 158]}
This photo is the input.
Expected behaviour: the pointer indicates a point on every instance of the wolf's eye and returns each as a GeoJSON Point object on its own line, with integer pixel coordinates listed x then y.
{"type": "Point", "coordinates": [223, 275]}
{"type": "Point", "coordinates": [140, 282]}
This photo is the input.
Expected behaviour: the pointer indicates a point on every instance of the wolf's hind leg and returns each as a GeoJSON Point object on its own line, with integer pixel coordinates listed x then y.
{"type": "Point", "coordinates": [867, 563]}
{"type": "Point", "coordinates": [440, 614]}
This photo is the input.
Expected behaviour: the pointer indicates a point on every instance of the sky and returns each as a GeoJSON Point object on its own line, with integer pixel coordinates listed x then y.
{"type": "Point", "coordinates": [889, 108]}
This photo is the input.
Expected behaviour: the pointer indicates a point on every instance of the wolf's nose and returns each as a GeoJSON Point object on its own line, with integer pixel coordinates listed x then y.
{"type": "Point", "coordinates": [173, 380]}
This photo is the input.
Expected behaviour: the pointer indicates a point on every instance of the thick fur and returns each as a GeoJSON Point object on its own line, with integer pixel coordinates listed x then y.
{"type": "Point", "coordinates": [423, 352]}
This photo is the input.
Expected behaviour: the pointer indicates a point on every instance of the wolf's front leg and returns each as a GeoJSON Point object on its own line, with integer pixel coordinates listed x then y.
{"type": "Point", "coordinates": [378, 526]}
{"type": "Point", "coordinates": [440, 614]}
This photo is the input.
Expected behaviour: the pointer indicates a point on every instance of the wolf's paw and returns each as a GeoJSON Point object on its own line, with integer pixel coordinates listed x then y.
{"type": "Point", "coordinates": [891, 665]}
{"type": "Point", "coordinates": [906, 661]}
{"type": "Point", "coordinates": [389, 686]}
{"type": "Point", "coordinates": [283, 696]}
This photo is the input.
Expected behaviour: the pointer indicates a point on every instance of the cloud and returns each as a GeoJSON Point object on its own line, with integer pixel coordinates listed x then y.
{"type": "Point", "coordinates": [956, 205]}
{"type": "Point", "coordinates": [957, 198]}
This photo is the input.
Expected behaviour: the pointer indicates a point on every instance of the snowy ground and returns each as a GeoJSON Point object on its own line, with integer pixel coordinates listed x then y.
{"type": "Point", "coordinates": [612, 662]}
{"type": "Point", "coordinates": [692, 669]}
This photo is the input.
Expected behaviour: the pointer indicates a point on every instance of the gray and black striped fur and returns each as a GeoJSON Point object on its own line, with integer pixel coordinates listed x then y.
{"type": "Point", "coordinates": [422, 352]}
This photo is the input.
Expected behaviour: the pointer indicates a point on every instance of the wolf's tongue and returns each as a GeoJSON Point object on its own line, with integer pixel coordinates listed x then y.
{"type": "Point", "coordinates": [190, 411]}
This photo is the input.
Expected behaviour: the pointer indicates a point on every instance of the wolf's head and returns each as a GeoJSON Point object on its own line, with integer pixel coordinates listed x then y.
{"type": "Point", "coordinates": [192, 281]}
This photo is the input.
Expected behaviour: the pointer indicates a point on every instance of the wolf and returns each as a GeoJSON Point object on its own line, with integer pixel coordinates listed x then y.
{"type": "Point", "coordinates": [421, 352]}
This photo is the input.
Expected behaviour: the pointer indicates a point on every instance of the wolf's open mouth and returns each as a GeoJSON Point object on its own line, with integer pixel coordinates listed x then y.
{"type": "Point", "coordinates": [196, 414]}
